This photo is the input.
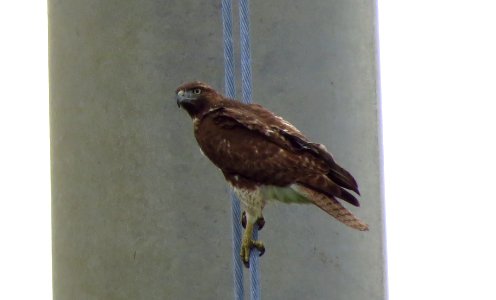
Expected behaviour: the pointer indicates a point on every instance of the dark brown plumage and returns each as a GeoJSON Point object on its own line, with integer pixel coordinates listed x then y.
{"type": "Point", "coordinates": [264, 157]}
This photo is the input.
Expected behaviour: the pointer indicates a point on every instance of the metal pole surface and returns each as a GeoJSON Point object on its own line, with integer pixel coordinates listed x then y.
{"type": "Point", "coordinates": [139, 213]}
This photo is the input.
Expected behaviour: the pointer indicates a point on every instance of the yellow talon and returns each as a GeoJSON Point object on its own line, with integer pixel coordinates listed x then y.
{"type": "Point", "coordinates": [247, 244]}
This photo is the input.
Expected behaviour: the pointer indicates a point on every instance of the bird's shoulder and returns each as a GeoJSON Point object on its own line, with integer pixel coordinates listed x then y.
{"type": "Point", "coordinates": [255, 117]}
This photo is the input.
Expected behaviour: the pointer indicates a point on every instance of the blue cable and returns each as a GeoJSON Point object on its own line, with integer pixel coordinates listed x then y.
{"type": "Point", "coordinates": [230, 91]}
{"type": "Point", "coordinates": [246, 88]}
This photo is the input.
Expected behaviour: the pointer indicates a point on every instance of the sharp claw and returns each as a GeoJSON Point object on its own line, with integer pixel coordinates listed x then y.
{"type": "Point", "coordinates": [246, 249]}
{"type": "Point", "coordinates": [260, 223]}
{"type": "Point", "coordinates": [245, 256]}
{"type": "Point", "coordinates": [260, 247]}
{"type": "Point", "coordinates": [261, 250]}
{"type": "Point", "coordinates": [243, 219]}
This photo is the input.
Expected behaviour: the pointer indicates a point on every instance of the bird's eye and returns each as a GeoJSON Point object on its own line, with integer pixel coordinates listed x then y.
{"type": "Point", "coordinates": [197, 91]}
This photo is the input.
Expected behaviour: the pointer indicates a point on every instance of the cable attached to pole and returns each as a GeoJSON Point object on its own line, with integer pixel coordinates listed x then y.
{"type": "Point", "coordinates": [230, 91]}
{"type": "Point", "coordinates": [246, 89]}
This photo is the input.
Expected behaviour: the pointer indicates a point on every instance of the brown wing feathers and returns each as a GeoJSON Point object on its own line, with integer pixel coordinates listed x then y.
{"type": "Point", "coordinates": [330, 178]}
{"type": "Point", "coordinates": [336, 173]}
{"type": "Point", "coordinates": [328, 187]}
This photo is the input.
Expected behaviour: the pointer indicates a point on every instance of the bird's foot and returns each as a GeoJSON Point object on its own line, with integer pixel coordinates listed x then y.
{"type": "Point", "coordinates": [246, 247]}
{"type": "Point", "coordinates": [260, 221]}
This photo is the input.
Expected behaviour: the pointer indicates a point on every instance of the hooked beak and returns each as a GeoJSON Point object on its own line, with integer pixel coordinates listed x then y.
{"type": "Point", "coordinates": [179, 97]}
{"type": "Point", "coordinates": [183, 97]}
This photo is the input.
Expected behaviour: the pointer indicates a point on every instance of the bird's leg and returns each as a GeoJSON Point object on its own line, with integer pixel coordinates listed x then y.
{"type": "Point", "coordinates": [260, 221]}
{"type": "Point", "coordinates": [248, 243]}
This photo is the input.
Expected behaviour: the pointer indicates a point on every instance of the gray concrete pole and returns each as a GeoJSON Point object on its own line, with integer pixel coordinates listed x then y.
{"type": "Point", "coordinates": [139, 213]}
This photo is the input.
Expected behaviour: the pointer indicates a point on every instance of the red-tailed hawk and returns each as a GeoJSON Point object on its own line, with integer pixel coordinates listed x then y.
{"type": "Point", "coordinates": [263, 157]}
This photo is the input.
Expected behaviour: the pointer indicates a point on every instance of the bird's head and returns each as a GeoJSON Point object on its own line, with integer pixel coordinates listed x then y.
{"type": "Point", "coordinates": [196, 97]}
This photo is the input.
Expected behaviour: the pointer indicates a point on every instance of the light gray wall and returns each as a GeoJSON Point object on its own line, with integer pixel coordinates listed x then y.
{"type": "Point", "coordinates": [139, 213]}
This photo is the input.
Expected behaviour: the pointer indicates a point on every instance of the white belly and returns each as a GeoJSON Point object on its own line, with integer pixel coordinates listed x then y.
{"type": "Point", "coordinates": [252, 200]}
